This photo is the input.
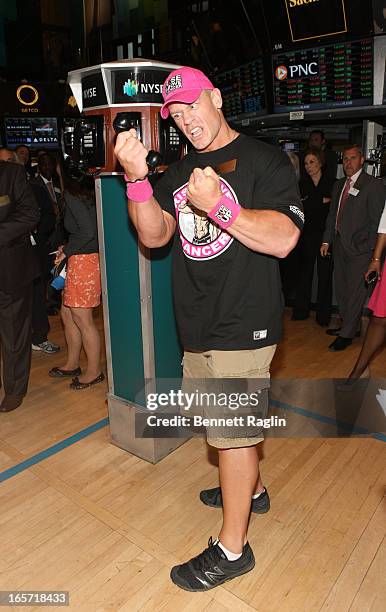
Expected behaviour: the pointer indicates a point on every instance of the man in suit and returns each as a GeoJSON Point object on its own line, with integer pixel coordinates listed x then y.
{"type": "Point", "coordinates": [41, 238]}
{"type": "Point", "coordinates": [19, 215]}
{"type": "Point", "coordinates": [351, 228]}
{"type": "Point", "coordinates": [47, 179]}
{"type": "Point", "coordinates": [24, 157]}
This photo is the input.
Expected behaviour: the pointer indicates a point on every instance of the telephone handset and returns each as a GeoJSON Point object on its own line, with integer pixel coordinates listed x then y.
{"type": "Point", "coordinates": [82, 141]}
{"type": "Point", "coordinates": [126, 121]}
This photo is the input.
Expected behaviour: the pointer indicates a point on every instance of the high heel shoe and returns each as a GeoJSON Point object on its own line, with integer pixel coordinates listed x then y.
{"type": "Point", "coordinates": [352, 384]}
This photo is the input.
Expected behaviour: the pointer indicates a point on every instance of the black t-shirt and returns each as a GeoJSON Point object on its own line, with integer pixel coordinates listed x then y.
{"type": "Point", "coordinates": [228, 297]}
{"type": "Point", "coordinates": [315, 210]}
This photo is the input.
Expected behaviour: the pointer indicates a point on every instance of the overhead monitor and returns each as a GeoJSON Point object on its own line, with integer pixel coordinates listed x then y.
{"type": "Point", "coordinates": [243, 90]}
{"type": "Point", "coordinates": [332, 76]}
{"type": "Point", "coordinates": [289, 146]}
{"type": "Point", "coordinates": [294, 23]}
{"type": "Point", "coordinates": [315, 18]}
{"type": "Point", "coordinates": [35, 132]}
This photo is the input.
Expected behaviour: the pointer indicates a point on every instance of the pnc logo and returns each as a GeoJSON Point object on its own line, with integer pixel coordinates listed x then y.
{"type": "Point", "coordinates": [281, 73]}
{"type": "Point", "coordinates": [299, 70]}
{"type": "Point", "coordinates": [296, 71]}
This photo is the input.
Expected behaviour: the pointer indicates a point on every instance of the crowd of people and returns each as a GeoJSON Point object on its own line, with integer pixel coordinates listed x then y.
{"type": "Point", "coordinates": [341, 223]}
{"type": "Point", "coordinates": [46, 217]}
{"type": "Point", "coordinates": [341, 220]}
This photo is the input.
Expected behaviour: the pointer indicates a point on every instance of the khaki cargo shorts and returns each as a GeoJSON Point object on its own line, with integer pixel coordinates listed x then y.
{"type": "Point", "coordinates": [234, 375]}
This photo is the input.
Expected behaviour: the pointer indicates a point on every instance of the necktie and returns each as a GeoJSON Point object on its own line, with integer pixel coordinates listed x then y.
{"type": "Point", "coordinates": [51, 190]}
{"type": "Point", "coordinates": [343, 200]}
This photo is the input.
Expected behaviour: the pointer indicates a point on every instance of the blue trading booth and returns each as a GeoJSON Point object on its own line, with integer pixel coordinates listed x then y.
{"type": "Point", "coordinates": [142, 346]}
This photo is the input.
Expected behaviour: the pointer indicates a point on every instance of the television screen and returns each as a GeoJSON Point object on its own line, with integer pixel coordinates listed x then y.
{"type": "Point", "coordinates": [290, 146]}
{"type": "Point", "coordinates": [316, 19]}
{"type": "Point", "coordinates": [336, 75]}
{"type": "Point", "coordinates": [290, 23]}
{"type": "Point", "coordinates": [35, 132]}
{"type": "Point", "coordinates": [242, 90]}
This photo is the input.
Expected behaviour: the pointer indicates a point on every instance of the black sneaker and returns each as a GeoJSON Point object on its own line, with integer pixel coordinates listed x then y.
{"type": "Point", "coordinates": [213, 498]}
{"type": "Point", "coordinates": [211, 568]}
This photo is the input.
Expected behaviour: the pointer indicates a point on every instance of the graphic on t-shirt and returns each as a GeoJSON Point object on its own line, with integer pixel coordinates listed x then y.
{"type": "Point", "coordinates": [201, 239]}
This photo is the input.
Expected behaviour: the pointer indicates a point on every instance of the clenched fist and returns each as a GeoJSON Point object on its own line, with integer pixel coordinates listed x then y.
{"type": "Point", "coordinates": [204, 189]}
{"type": "Point", "coordinates": [131, 154]}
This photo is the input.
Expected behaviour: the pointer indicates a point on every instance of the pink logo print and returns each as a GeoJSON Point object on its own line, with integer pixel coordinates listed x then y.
{"type": "Point", "coordinates": [201, 239]}
{"type": "Point", "coordinates": [175, 82]}
{"type": "Point", "coordinates": [224, 214]}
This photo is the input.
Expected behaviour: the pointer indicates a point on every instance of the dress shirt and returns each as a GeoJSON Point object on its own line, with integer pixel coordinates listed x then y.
{"type": "Point", "coordinates": [50, 187]}
{"type": "Point", "coordinates": [382, 223]}
{"type": "Point", "coordinates": [353, 180]}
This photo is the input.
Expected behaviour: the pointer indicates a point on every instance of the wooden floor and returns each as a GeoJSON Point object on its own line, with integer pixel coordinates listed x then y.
{"type": "Point", "coordinates": [107, 526]}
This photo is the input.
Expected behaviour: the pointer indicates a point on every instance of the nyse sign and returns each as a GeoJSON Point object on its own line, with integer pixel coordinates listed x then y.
{"type": "Point", "coordinates": [93, 90]}
{"type": "Point", "coordinates": [315, 18]}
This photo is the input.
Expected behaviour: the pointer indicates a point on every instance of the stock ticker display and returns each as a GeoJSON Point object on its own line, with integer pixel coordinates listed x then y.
{"type": "Point", "coordinates": [35, 132]}
{"type": "Point", "coordinates": [242, 90]}
{"type": "Point", "coordinates": [332, 76]}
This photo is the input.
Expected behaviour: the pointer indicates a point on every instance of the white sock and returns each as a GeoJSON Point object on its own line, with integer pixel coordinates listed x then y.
{"type": "Point", "coordinates": [229, 554]}
{"type": "Point", "coordinates": [258, 494]}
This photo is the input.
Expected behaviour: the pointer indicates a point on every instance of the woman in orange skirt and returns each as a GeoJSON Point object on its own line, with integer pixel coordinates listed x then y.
{"type": "Point", "coordinates": [376, 331]}
{"type": "Point", "coordinates": [82, 290]}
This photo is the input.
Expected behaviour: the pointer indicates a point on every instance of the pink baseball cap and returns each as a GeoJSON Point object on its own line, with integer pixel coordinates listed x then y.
{"type": "Point", "coordinates": [185, 85]}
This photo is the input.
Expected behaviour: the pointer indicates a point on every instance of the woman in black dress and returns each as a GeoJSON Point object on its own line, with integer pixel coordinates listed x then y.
{"type": "Point", "coordinates": [315, 190]}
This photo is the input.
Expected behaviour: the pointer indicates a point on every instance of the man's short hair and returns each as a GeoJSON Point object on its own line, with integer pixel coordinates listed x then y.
{"type": "Point", "coordinates": [353, 146]}
{"type": "Point", "coordinates": [318, 132]}
{"type": "Point", "coordinates": [8, 153]}
{"type": "Point", "coordinates": [46, 155]}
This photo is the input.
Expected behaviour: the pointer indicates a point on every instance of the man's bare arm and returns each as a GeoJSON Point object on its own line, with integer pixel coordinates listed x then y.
{"type": "Point", "coordinates": [155, 227]}
{"type": "Point", "coordinates": [265, 231]}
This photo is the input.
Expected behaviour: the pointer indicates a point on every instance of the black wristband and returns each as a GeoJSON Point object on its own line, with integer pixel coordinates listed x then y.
{"type": "Point", "coordinates": [136, 180]}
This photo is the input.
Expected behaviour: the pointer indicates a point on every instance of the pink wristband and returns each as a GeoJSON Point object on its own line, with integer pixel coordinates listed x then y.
{"type": "Point", "coordinates": [140, 191]}
{"type": "Point", "coordinates": [224, 212]}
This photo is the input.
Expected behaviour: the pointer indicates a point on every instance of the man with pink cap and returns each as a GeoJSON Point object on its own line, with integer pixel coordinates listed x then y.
{"type": "Point", "coordinates": [233, 206]}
